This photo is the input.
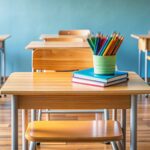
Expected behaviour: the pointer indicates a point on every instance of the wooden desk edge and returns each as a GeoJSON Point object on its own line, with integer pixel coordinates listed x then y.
{"type": "Point", "coordinates": [140, 36]}
{"type": "Point", "coordinates": [6, 90]}
{"type": "Point", "coordinates": [70, 93]}
{"type": "Point", "coordinates": [4, 37]}
{"type": "Point", "coordinates": [33, 45]}
{"type": "Point", "coordinates": [43, 36]}
{"type": "Point", "coordinates": [135, 36]}
{"type": "Point", "coordinates": [30, 47]}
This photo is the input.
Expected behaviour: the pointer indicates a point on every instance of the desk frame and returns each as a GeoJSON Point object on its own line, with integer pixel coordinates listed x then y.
{"type": "Point", "coordinates": [26, 102]}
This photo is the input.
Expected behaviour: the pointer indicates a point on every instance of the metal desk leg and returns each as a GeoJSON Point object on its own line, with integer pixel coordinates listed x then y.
{"type": "Point", "coordinates": [33, 112]}
{"type": "Point", "coordinates": [146, 67]}
{"type": "Point", "coordinates": [0, 68]}
{"type": "Point", "coordinates": [1, 72]}
{"type": "Point", "coordinates": [139, 62]}
{"type": "Point", "coordinates": [3, 62]}
{"type": "Point", "coordinates": [14, 123]}
{"type": "Point", "coordinates": [24, 127]}
{"type": "Point", "coordinates": [133, 123]}
{"type": "Point", "coordinates": [123, 124]}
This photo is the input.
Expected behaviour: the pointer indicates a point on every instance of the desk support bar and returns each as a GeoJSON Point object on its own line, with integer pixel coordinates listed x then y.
{"type": "Point", "coordinates": [72, 111]}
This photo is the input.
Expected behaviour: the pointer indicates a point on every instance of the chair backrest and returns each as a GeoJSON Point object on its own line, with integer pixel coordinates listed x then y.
{"type": "Point", "coordinates": [75, 32]}
{"type": "Point", "coordinates": [62, 60]}
{"type": "Point", "coordinates": [63, 39]}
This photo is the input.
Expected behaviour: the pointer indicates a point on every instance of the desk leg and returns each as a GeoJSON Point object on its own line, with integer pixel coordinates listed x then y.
{"type": "Point", "coordinates": [24, 127]}
{"type": "Point", "coordinates": [33, 112]}
{"type": "Point", "coordinates": [3, 62]}
{"type": "Point", "coordinates": [123, 124]}
{"type": "Point", "coordinates": [139, 62]}
{"type": "Point", "coordinates": [133, 123]}
{"type": "Point", "coordinates": [14, 122]}
{"type": "Point", "coordinates": [1, 68]}
{"type": "Point", "coordinates": [146, 67]}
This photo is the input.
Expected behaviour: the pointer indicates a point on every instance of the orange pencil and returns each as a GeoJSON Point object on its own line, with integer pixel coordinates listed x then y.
{"type": "Point", "coordinates": [118, 45]}
{"type": "Point", "coordinates": [108, 47]}
{"type": "Point", "coordinates": [113, 45]}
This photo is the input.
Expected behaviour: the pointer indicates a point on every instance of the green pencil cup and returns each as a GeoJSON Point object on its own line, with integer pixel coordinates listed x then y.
{"type": "Point", "coordinates": [104, 64]}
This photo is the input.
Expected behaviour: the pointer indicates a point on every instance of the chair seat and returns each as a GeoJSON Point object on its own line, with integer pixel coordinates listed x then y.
{"type": "Point", "coordinates": [74, 131]}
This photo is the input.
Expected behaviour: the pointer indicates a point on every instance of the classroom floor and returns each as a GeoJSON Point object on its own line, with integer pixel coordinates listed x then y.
{"type": "Point", "coordinates": [143, 128]}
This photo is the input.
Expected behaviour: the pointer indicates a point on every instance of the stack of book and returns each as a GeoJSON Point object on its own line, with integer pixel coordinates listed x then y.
{"type": "Point", "coordinates": [87, 77]}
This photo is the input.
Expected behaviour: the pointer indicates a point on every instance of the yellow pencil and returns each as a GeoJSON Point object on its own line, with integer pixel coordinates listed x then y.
{"type": "Point", "coordinates": [108, 47]}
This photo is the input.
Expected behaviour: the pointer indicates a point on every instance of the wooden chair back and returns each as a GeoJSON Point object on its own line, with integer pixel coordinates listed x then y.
{"type": "Point", "coordinates": [75, 32]}
{"type": "Point", "coordinates": [62, 60]}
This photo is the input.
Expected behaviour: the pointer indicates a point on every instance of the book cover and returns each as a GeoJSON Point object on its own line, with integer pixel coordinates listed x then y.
{"type": "Point", "coordinates": [89, 75]}
{"type": "Point", "coordinates": [96, 83]}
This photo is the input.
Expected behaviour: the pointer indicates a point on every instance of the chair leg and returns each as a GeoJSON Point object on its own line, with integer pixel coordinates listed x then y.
{"type": "Point", "coordinates": [114, 114]}
{"type": "Point", "coordinates": [120, 145]}
{"type": "Point", "coordinates": [114, 146]}
{"type": "Point", "coordinates": [32, 146]}
{"type": "Point", "coordinates": [48, 115]}
{"type": "Point", "coordinates": [39, 115]}
{"type": "Point", "coordinates": [97, 116]}
{"type": "Point", "coordinates": [106, 114]}
{"type": "Point", "coordinates": [39, 119]}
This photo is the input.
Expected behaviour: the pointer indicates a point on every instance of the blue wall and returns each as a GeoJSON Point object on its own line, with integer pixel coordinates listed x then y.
{"type": "Point", "coordinates": [25, 20]}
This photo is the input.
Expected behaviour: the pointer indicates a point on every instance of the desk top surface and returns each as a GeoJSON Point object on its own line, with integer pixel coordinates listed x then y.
{"type": "Point", "coordinates": [47, 45]}
{"type": "Point", "coordinates": [4, 37]}
{"type": "Point", "coordinates": [141, 36]}
{"type": "Point", "coordinates": [60, 83]}
{"type": "Point", "coordinates": [46, 36]}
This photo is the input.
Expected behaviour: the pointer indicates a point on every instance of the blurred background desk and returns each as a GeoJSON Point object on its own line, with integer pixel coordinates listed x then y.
{"type": "Point", "coordinates": [3, 38]}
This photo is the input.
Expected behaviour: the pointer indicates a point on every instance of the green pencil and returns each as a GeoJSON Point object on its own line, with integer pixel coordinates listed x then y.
{"type": "Point", "coordinates": [91, 44]}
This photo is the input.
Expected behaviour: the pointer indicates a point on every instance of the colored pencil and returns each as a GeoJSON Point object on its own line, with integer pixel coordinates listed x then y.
{"type": "Point", "coordinates": [109, 45]}
{"type": "Point", "coordinates": [105, 45]}
{"type": "Point", "coordinates": [119, 44]}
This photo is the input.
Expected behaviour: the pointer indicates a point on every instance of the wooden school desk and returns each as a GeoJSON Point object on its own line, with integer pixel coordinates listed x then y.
{"type": "Point", "coordinates": [3, 38]}
{"type": "Point", "coordinates": [45, 37]}
{"type": "Point", "coordinates": [55, 47]}
{"type": "Point", "coordinates": [143, 45]}
{"type": "Point", "coordinates": [55, 90]}
{"type": "Point", "coordinates": [58, 46]}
